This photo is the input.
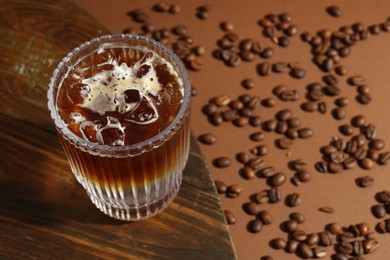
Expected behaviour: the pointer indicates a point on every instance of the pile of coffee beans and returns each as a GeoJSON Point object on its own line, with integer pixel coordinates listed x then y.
{"type": "Point", "coordinates": [279, 28]}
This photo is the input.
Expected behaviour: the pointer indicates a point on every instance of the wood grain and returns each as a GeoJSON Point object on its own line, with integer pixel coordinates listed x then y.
{"type": "Point", "coordinates": [44, 212]}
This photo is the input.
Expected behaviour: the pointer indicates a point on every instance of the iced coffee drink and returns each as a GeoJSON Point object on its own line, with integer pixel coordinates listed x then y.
{"type": "Point", "coordinates": [121, 107]}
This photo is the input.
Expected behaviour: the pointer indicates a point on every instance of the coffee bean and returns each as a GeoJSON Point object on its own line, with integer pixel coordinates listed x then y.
{"type": "Point", "coordinates": [358, 247]}
{"type": "Point", "coordinates": [279, 89]}
{"type": "Point", "coordinates": [253, 102]}
{"type": "Point", "coordinates": [312, 239]}
{"type": "Point", "coordinates": [332, 90]}
{"type": "Point", "coordinates": [290, 225]}
{"type": "Point", "coordinates": [283, 41]}
{"type": "Point", "coordinates": [326, 238]}
{"type": "Point", "coordinates": [342, 102]}
{"type": "Point", "coordinates": [291, 246]}
{"type": "Point", "coordinates": [233, 190]}
{"type": "Point", "coordinates": [370, 245]}
{"type": "Point", "coordinates": [340, 256]}
{"type": "Point", "coordinates": [383, 196]}
{"type": "Point", "coordinates": [257, 136]}
{"type": "Point", "coordinates": [291, 30]}
{"type": "Point", "coordinates": [221, 186]}
{"type": "Point", "coordinates": [364, 98]}
{"type": "Point", "coordinates": [248, 173]}
{"type": "Point", "coordinates": [263, 68]}
{"type": "Point", "coordinates": [260, 150]}
{"type": "Point", "coordinates": [268, 102]}
{"type": "Point", "coordinates": [283, 115]}
{"type": "Point", "coordinates": [261, 197]}
{"type": "Point", "coordinates": [310, 106]}
{"type": "Point", "coordinates": [357, 80]}
{"type": "Point", "coordinates": [210, 109]}
{"type": "Point", "coordinates": [267, 257]}
{"type": "Point", "coordinates": [297, 73]}
{"type": "Point", "coordinates": [305, 132]}
{"type": "Point", "coordinates": [345, 248]}
{"type": "Point", "coordinates": [374, 29]}
{"type": "Point", "coordinates": [274, 195]}
{"type": "Point", "coordinates": [334, 228]}
{"type": "Point", "coordinates": [277, 179]}
{"type": "Point", "coordinates": [246, 111]}
{"type": "Point", "coordinates": [334, 11]}
{"type": "Point", "coordinates": [247, 55]}
{"type": "Point", "coordinates": [291, 134]}
{"type": "Point", "coordinates": [346, 129]}
{"type": "Point", "coordinates": [360, 154]}
{"type": "Point", "coordinates": [329, 149]}
{"type": "Point", "coordinates": [270, 125]}
{"type": "Point", "coordinates": [341, 70]}
{"type": "Point", "coordinates": [243, 157]}
{"type": "Point", "coordinates": [267, 53]}
{"type": "Point", "coordinates": [279, 67]}
{"type": "Point", "coordinates": [255, 226]}
{"type": "Point", "coordinates": [227, 26]}
{"type": "Point", "coordinates": [297, 165]}
{"type": "Point", "coordinates": [222, 162]}
{"type": "Point", "coordinates": [256, 48]}
{"type": "Point", "coordinates": [339, 113]}
{"type": "Point", "coordinates": [377, 144]}
{"type": "Point", "coordinates": [297, 216]}
{"type": "Point", "coordinates": [385, 26]}
{"type": "Point", "coordinates": [252, 208]}
{"type": "Point", "coordinates": [303, 175]}
{"type": "Point", "coordinates": [283, 143]}
{"type": "Point", "coordinates": [304, 251]}
{"type": "Point", "coordinates": [234, 60]}
{"type": "Point", "coordinates": [207, 139]}
{"type": "Point", "coordinates": [367, 163]}
{"type": "Point", "coordinates": [230, 217]}
{"type": "Point", "coordinates": [360, 140]}
{"type": "Point", "coordinates": [319, 251]}
{"type": "Point", "coordinates": [240, 121]}
{"type": "Point", "coordinates": [381, 226]}
{"type": "Point", "coordinates": [373, 154]}
{"type": "Point", "coordinates": [326, 209]}
{"type": "Point", "coordinates": [293, 199]}
{"type": "Point", "coordinates": [279, 243]}
{"type": "Point", "coordinates": [265, 217]}
{"type": "Point", "coordinates": [364, 229]}
{"type": "Point", "coordinates": [248, 83]}
{"type": "Point", "coordinates": [236, 105]}
{"type": "Point", "coordinates": [384, 158]}
{"type": "Point", "coordinates": [281, 127]}
{"type": "Point", "coordinates": [378, 210]}
{"type": "Point", "coordinates": [363, 89]}
{"type": "Point", "coordinates": [321, 167]}
{"type": "Point", "coordinates": [349, 163]}
{"type": "Point", "coordinates": [229, 115]}
{"type": "Point", "coordinates": [321, 107]}
{"type": "Point", "coordinates": [256, 163]}
{"type": "Point", "coordinates": [315, 95]}
{"type": "Point", "coordinates": [255, 120]}
{"type": "Point", "coordinates": [306, 37]}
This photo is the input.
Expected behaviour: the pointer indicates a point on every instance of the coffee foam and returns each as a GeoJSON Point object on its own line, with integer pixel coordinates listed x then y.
{"type": "Point", "coordinates": [106, 89]}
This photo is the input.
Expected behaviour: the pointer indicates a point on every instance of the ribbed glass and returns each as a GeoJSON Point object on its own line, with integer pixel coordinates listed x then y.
{"type": "Point", "coordinates": [130, 182]}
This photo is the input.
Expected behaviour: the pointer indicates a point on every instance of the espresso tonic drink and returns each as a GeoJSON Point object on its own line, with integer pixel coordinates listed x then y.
{"type": "Point", "coordinates": [121, 107]}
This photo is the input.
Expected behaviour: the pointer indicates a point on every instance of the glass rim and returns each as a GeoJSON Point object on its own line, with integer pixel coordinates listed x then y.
{"type": "Point", "coordinates": [107, 150]}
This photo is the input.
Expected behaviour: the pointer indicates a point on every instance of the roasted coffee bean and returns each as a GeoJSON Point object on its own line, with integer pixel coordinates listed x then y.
{"type": "Point", "coordinates": [174, 9]}
{"type": "Point", "coordinates": [234, 60]}
{"type": "Point", "coordinates": [267, 172]}
{"type": "Point", "coordinates": [246, 111]}
{"type": "Point", "coordinates": [297, 216]}
{"type": "Point", "coordinates": [340, 256]}
{"type": "Point", "coordinates": [334, 10]}
{"type": "Point", "coordinates": [327, 64]}
{"type": "Point", "coordinates": [378, 210]}
{"type": "Point", "coordinates": [255, 226]}
{"type": "Point", "coordinates": [252, 208]}
{"type": "Point", "coordinates": [346, 129]}
{"type": "Point", "coordinates": [305, 132]}
{"type": "Point", "coordinates": [248, 173]}
{"type": "Point", "coordinates": [255, 120]}
{"type": "Point", "coordinates": [363, 228]}
{"type": "Point", "coordinates": [299, 235]}
{"type": "Point", "coordinates": [326, 238]}
{"type": "Point", "coordinates": [222, 100]}
{"type": "Point", "coordinates": [374, 29]}
{"type": "Point", "coordinates": [263, 68]}
{"type": "Point", "coordinates": [207, 139]}
{"type": "Point", "coordinates": [297, 73]}
{"type": "Point", "coordinates": [304, 251]}
{"type": "Point", "coordinates": [358, 247]}
{"type": "Point", "coordinates": [261, 197]}
{"type": "Point", "coordinates": [279, 243]}
{"type": "Point", "coordinates": [248, 83]}
{"type": "Point", "coordinates": [306, 37]}
{"type": "Point", "coordinates": [291, 133]}
{"type": "Point", "coordinates": [246, 44]}
{"type": "Point", "coordinates": [283, 115]}
{"type": "Point", "coordinates": [347, 236]}
{"type": "Point", "coordinates": [222, 162]}
{"type": "Point", "coordinates": [342, 102]}
{"type": "Point", "coordinates": [349, 163]}
{"type": "Point", "coordinates": [293, 199]}
{"type": "Point", "coordinates": [240, 121]}
{"type": "Point", "coordinates": [321, 166]}
{"type": "Point", "coordinates": [265, 217]}
{"type": "Point", "coordinates": [227, 26]}
{"type": "Point", "coordinates": [247, 55]}
{"type": "Point", "coordinates": [334, 228]}
{"type": "Point", "coordinates": [303, 175]}
{"type": "Point", "coordinates": [268, 102]}
{"type": "Point", "coordinates": [332, 90]}
{"type": "Point", "coordinates": [360, 153]}
{"type": "Point", "coordinates": [326, 209]}
{"type": "Point", "coordinates": [233, 190]}
{"type": "Point", "coordinates": [267, 53]}
{"type": "Point", "coordinates": [281, 127]}
{"type": "Point", "coordinates": [257, 47]}
{"type": "Point", "coordinates": [256, 163]}
{"type": "Point", "coordinates": [357, 80]}
{"type": "Point", "coordinates": [279, 89]}
{"type": "Point", "coordinates": [315, 95]}
{"type": "Point", "coordinates": [370, 245]}
{"type": "Point", "coordinates": [321, 107]}
{"type": "Point", "coordinates": [291, 246]}
{"type": "Point", "coordinates": [298, 165]}
{"type": "Point", "coordinates": [330, 79]}
{"type": "Point", "coordinates": [366, 163]}
{"type": "Point", "coordinates": [385, 26]}
{"type": "Point", "coordinates": [274, 195]}
{"type": "Point", "coordinates": [290, 225]}
{"type": "Point", "coordinates": [310, 106]}
{"type": "Point", "coordinates": [257, 136]}
{"type": "Point", "coordinates": [270, 125]}
{"type": "Point", "coordinates": [383, 196]}
{"type": "Point", "coordinates": [229, 115]}
{"type": "Point", "coordinates": [351, 147]}
{"type": "Point", "coordinates": [340, 144]}
{"type": "Point", "coordinates": [277, 179]}
{"type": "Point", "coordinates": [339, 113]}
{"type": "Point", "coordinates": [373, 154]}
{"type": "Point", "coordinates": [363, 89]}
{"type": "Point", "coordinates": [377, 144]}
{"type": "Point", "coordinates": [253, 102]}
{"type": "Point", "coordinates": [328, 149]}
{"type": "Point", "coordinates": [279, 67]}
{"type": "Point", "coordinates": [291, 30]}
{"type": "Point", "coordinates": [345, 248]}
{"type": "Point", "coordinates": [319, 251]}
{"type": "Point", "coordinates": [283, 143]}
{"type": "Point", "coordinates": [243, 157]}
{"type": "Point", "coordinates": [360, 140]}
{"type": "Point", "coordinates": [312, 239]}
{"type": "Point", "coordinates": [341, 70]}
{"type": "Point", "coordinates": [384, 158]}
{"type": "Point", "coordinates": [358, 121]}
{"type": "Point", "coordinates": [267, 257]}
{"type": "Point", "coordinates": [260, 150]}
{"type": "Point", "coordinates": [283, 41]}
{"type": "Point", "coordinates": [381, 226]}
{"type": "Point", "coordinates": [364, 98]}
{"type": "Point", "coordinates": [230, 217]}
{"type": "Point", "coordinates": [236, 104]}
{"type": "Point", "coordinates": [210, 109]}
{"type": "Point", "coordinates": [221, 186]}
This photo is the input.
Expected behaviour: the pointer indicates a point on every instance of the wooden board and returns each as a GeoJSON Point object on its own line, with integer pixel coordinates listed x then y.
{"type": "Point", "coordinates": [44, 212]}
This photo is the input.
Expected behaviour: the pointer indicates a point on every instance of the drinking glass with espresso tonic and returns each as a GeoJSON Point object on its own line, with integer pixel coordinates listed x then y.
{"type": "Point", "coordinates": [121, 107]}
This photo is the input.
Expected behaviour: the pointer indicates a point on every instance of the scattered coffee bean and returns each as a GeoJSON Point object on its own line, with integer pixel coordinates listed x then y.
{"type": "Point", "coordinates": [267, 257]}
{"type": "Point", "coordinates": [222, 162]}
{"type": "Point", "coordinates": [248, 83]}
{"type": "Point", "coordinates": [255, 226]}
{"type": "Point", "coordinates": [252, 208]}
{"type": "Point", "coordinates": [279, 67]}
{"type": "Point", "coordinates": [248, 173]}
{"type": "Point", "coordinates": [297, 216]}
{"type": "Point", "coordinates": [207, 139]}
{"type": "Point", "coordinates": [305, 132]}
{"type": "Point", "coordinates": [298, 165]}
{"type": "Point", "coordinates": [326, 238]}
{"type": "Point", "coordinates": [357, 80]}
{"type": "Point", "coordinates": [303, 176]}
{"type": "Point", "coordinates": [384, 158]}
{"type": "Point", "coordinates": [174, 9]}
{"type": "Point", "coordinates": [334, 11]}
{"type": "Point", "coordinates": [256, 163]}
{"type": "Point", "coordinates": [230, 217]}
{"type": "Point", "coordinates": [279, 243]}
{"type": "Point", "coordinates": [346, 129]}
{"type": "Point", "coordinates": [334, 228]}
{"type": "Point", "coordinates": [297, 73]}
{"type": "Point", "coordinates": [233, 190]}
{"type": "Point", "coordinates": [292, 246]}
{"type": "Point", "coordinates": [283, 143]}
{"type": "Point", "coordinates": [267, 53]}
{"type": "Point", "coordinates": [290, 226]}
{"type": "Point", "coordinates": [339, 113]}
{"type": "Point", "coordinates": [263, 68]}
{"type": "Point", "coordinates": [345, 248]}
{"type": "Point", "coordinates": [367, 163]}
{"type": "Point", "coordinates": [265, 217]}
{"type": "Point", "coordinates": [383, 196]}
{"type": "Point", "coordinates": [257, 136]}
{"type": "Point", "coordinates": [370, 245]}
{"type": "Point", "coordinates": [267, 172]}
{"type": "Point", "coordinates": [261, 197]}
{"type": "Point", "coordinates": [312, 239]}
{"type": "Point", "coordinates": [221, 186]}
{"type": "Point", "coordinates": [305, 251]}
{"type": "Point", "coordinates": [326, 209]}
{"type": "Point", "coordinates": [310, 106]}
{"type": "Point", "coordinates": [268, 102]}
{"type": "Point", "coordinates": [293, 199]}
{"type": "Point", "coordinates": [227, 26]}
{"type": "Point", "coordinates": [277, 179]}
{"type": "Point", "coordinates": [341, 70]}
{"type": "Point", "coordinates": [274, 195]}
{"type": "Point", "coordinates": [378, 210]}
{"type": "Point", "coordinates": [342, 102]}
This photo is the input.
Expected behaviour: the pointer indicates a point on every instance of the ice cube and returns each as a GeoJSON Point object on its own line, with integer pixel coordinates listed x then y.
{"type": "Point", "coordinates": [174, 95]}
{"type": "Point", "coordinates": [146, 113]}
{"type": "Point", "coordinates": [113, 133]}
{"type": "Point", "coordinates": [88, 131]}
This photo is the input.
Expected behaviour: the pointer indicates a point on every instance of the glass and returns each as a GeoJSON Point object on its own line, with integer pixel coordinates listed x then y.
{"type": "Point", "coordinates": [134, 181]}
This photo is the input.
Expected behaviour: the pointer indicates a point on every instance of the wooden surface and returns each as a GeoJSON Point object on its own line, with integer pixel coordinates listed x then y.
{"type": "Point", "coordinates": [44, 212]}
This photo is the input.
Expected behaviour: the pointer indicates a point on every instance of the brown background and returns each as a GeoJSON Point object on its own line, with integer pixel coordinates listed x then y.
{"type": "Point", "coordinates": [369, 58]}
